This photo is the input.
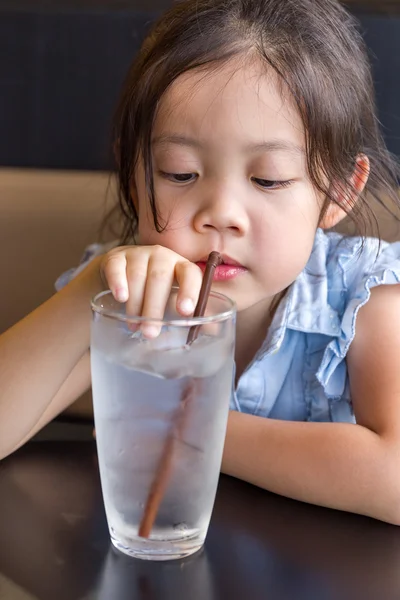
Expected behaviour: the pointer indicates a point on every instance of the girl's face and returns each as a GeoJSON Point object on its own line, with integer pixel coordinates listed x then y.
{"type": "Point", "coordinates": [230, 175]}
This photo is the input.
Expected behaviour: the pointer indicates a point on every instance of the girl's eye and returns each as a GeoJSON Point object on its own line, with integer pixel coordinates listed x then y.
{"type": "Point", "coordinates": [179, 177]}
{"type": "Point", "coordinates": [271, 185]}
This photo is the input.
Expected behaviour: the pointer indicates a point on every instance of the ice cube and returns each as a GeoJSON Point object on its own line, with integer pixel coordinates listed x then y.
{"type": "Point", "coordinates": [169, 356]}
{"type": "Point", "coordinates": [157, 356]}
{"type": "Point", "coordinates": [203, 358]}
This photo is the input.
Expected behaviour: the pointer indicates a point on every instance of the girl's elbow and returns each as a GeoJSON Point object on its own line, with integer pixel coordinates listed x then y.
{"type": "Point", "coordinates": [391, 510]}
{"type": "Point", "coordinates": [388, 515]}
{"type": "Point", "coordinates": [384, 482]}
{"type": "Point", "coordinates": [388, 500]}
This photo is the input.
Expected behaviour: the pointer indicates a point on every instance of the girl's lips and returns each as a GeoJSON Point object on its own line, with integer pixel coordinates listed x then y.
{"type": "Point", "coordinates": [224, 272]}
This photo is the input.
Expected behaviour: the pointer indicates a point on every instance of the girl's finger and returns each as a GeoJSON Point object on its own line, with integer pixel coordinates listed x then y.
{"type": "Point", "coordinates": [160, 277]}
{"type": "Point", "coordinates": [189, 277]}
{"type": "Point", "coordinates": [136, 273]}
{"type": "Point", "coordinates": [113, 267]}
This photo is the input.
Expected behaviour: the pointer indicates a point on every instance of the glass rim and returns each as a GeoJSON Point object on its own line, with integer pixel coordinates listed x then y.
{"type": "Point", "coordinates": [183, 322]}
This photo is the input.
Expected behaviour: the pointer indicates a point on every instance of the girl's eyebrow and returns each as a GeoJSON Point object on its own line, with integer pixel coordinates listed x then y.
{"type": "Point", "coordinates": [179, 140]}
{"type": "Point", "coordinates": [273, 145]}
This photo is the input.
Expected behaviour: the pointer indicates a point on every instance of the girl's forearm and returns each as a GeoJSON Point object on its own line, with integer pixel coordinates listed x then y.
{"type": "Point", "coordinates": [40, 353]}
{"type": "Point", "coordinates": [338, 465]}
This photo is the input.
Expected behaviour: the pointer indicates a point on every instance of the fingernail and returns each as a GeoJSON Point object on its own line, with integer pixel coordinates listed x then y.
{"type": "Point", "coordinates": [187, 306]}
{"type": "Point", "coordinates": [150, 331]}
{"type": "Point", "coordinates": [121, 294]}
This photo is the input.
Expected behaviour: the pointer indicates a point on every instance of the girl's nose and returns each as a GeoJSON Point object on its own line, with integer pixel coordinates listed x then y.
{"type": "Point", "coordinates": [222, 212]}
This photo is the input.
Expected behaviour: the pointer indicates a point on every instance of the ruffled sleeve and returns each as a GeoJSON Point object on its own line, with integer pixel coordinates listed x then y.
{"type": "Point", "coordinates": [89, 254]}
{"type": "Point", "coordinates": [359, 269]}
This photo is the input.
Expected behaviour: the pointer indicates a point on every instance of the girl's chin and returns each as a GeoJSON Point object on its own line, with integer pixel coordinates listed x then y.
{"type": "Point", "coordinates": [257, 306]}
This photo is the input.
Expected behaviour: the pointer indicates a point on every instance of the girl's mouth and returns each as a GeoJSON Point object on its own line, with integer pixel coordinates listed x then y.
{"type": "Point", "coordinates": [228, 270]}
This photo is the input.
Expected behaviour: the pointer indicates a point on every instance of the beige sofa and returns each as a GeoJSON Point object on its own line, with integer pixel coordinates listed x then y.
{"type": "Point", "coordinates": [47, 219]}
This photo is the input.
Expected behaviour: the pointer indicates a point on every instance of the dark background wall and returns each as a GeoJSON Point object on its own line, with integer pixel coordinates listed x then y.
{"type": "Point", "coordinates": [62, 65]}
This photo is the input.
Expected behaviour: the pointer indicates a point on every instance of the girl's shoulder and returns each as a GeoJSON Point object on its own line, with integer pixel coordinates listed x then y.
{"type": "Point", "coordinates": [336, 283]}
{"type": "Point", "coordinates": [89, 254]}
{"type": "Point", "coordinates": [351, 266]}
{"type": "Point", "coordinates": [337, 280]}
{"type": "Point", "coordinates": [357, 257]}
{"type": "Point", "coordinates": [300, 371]}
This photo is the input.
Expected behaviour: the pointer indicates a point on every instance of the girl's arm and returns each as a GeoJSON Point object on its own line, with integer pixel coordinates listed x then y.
{"type": "Point", "coordinates": [344, 466]}
{"type": "Point", "coordinates": [44, 360]}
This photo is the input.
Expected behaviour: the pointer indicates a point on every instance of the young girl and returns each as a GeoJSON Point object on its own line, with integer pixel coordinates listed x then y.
{"type": "Point", "coordinates": [248, 127]}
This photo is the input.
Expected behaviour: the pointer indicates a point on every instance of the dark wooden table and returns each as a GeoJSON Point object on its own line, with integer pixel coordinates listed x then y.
{"type": "Point", "coordinates": [54, 542]}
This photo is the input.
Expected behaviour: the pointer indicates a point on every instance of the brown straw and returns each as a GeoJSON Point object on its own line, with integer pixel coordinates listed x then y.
{"type": "Point", "coordinates": [214, 259]}
{"type": "Point", "coordinates": [161, 478]}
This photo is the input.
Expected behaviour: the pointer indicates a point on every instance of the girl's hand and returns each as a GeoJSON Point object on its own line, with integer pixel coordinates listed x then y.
{"type": "Point", "coordinates": [142, 277]}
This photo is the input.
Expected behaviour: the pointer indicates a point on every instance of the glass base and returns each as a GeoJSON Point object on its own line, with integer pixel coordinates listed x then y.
{"type": "Point", "coordinates": [157, 550]}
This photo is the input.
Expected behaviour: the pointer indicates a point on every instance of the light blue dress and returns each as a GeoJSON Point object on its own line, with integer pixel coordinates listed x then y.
{"type": "Point", "coordinates": [300, 371]}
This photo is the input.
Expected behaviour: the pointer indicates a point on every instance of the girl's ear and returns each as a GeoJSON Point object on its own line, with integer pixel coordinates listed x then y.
{"type": "Point", "coordinates": [346, 198]}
